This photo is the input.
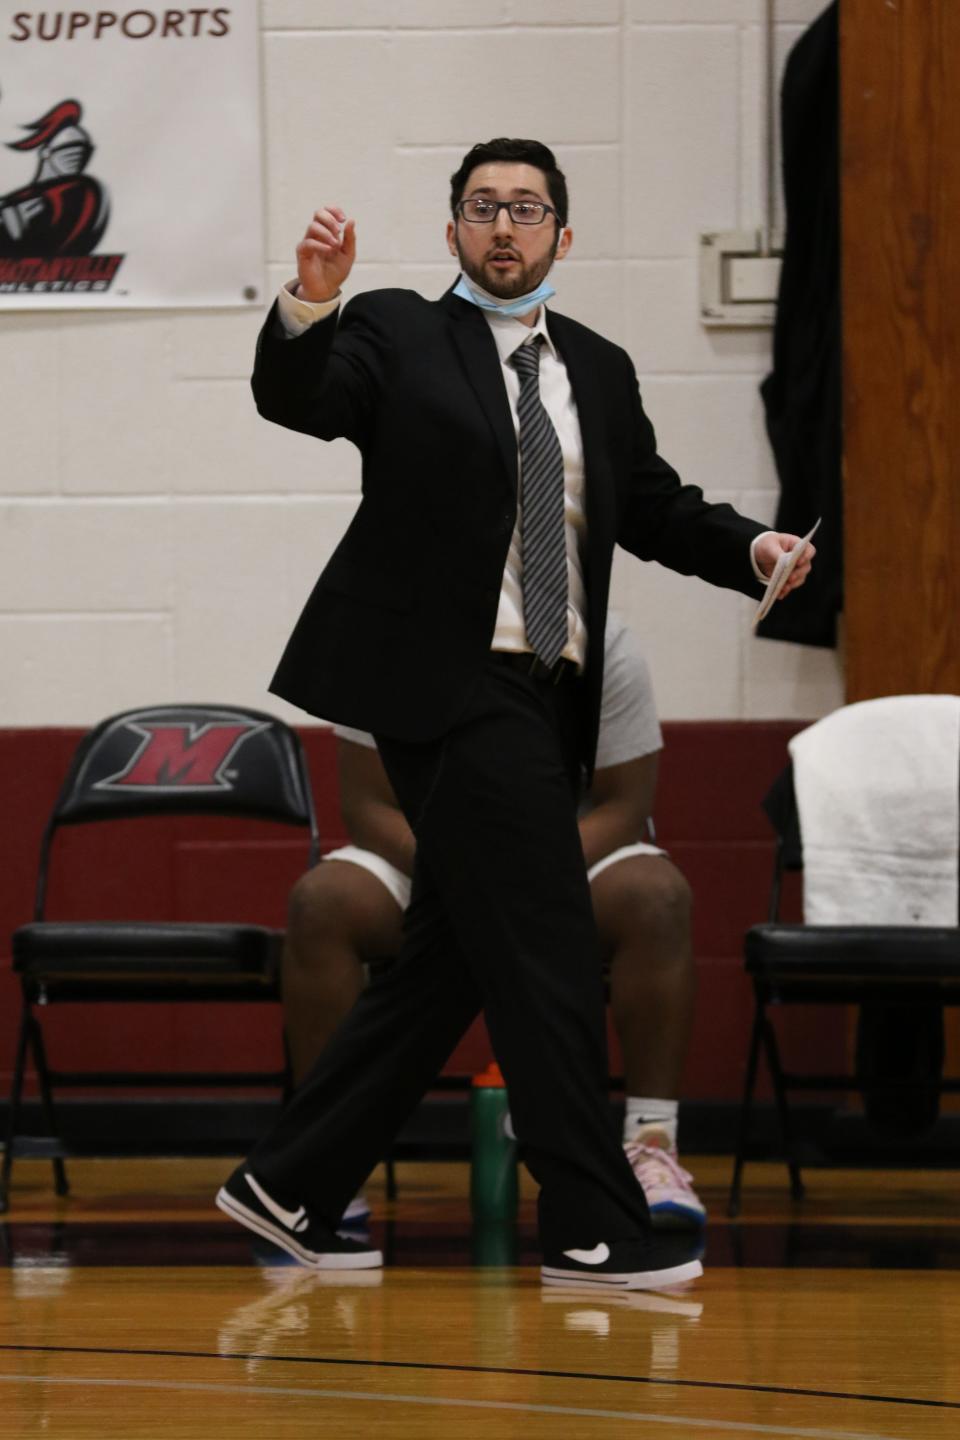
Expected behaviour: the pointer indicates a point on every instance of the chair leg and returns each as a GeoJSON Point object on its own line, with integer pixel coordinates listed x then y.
{"type": "Point", "coordinates": [746, 1105]}
{"type": "Point", "coordinates": [797, 1189]}
{"type": "Point", "coordinates": [391, 1178]}
{"type": "Point", "coordinates": [60, 1183]}
{"type": "Point", "coordinates": [287, 1086]}
{"type": "Point", "coordinates": [13, 1113]}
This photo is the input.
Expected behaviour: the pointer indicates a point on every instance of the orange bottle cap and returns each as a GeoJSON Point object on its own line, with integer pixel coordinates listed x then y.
{"type": "Point", "coordinates": [492, 1076]}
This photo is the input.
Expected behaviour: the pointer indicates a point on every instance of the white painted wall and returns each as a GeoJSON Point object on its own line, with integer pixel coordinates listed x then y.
{"type": "Point", "coordinates": [157, 539]}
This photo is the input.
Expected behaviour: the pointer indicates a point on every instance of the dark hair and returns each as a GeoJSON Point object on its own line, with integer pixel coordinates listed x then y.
{"type": "Point", "coordinates": [516, 152]}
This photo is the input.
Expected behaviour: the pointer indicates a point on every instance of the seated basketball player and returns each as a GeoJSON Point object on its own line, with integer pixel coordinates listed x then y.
{"type": "Point", "coordinates": [346, 912]}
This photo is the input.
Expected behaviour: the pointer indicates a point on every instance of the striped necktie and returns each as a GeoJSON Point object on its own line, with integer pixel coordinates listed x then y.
{"type": "Point", "coordinates": [542, 527]}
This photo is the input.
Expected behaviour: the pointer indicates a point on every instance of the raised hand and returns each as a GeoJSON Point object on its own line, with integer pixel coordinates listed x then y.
{"type": "Point", "coordinates": [326, 254]}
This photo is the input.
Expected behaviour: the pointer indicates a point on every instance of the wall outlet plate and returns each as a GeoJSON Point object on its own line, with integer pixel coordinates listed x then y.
{"type": "Point", "coordinates": [738, 281]}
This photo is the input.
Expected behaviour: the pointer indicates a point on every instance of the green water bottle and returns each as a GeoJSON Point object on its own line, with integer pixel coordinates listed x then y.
{"type": "Point", "coordinates": [493, 1243]}
{"type": "Point", "coordinates": [493, 1170]}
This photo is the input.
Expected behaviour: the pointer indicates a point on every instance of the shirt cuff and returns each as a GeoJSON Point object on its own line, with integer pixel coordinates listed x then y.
{"type": "Point", "coordinates": [753, 556]}
{"type": "Point", "coordinates": [298, 315]}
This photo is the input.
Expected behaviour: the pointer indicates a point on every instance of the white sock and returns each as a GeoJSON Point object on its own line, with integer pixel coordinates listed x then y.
{"type": "Point", "coordinates": [643, 1110]}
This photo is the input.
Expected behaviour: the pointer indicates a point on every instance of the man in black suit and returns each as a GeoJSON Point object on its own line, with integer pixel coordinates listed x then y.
{"type": "Point", "coordinates": [470, 642]}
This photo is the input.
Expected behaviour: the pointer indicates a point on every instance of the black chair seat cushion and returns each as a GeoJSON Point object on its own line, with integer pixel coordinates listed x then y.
{"type": "Point", "coordinates": [47, 951]}
{"type": "Point", "coordinates": [865, 952]}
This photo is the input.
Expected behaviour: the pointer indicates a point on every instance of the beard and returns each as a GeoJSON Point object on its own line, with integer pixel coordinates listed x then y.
{"type": "Point", "coordinates": [524, 279]}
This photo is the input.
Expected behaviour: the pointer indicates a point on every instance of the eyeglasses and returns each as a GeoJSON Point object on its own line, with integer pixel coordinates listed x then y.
{"type": "Point", "coordinates": [480, 211]}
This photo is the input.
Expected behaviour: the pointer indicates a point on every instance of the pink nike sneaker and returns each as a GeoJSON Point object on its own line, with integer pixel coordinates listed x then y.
{"type": "Point", "coordinates": [668, 1188]}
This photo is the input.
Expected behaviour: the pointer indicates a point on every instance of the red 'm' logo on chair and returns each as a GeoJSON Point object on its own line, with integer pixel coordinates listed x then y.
{"type": "Point", "coordinates": [181, 757]}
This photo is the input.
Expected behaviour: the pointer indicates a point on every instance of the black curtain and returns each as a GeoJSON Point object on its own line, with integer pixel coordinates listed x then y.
{"type": "Point", "coordinates": [801, 396]}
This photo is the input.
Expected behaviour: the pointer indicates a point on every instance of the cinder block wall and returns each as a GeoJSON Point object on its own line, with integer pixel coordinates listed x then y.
{"type": "Point", "coordinates": [157, 539]}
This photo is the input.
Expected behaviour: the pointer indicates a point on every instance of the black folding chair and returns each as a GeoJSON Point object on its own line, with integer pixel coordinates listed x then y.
{"type": "Point", "coordinates": [199, 760]}
{"type": "Point", "coordinates": [907, 973]}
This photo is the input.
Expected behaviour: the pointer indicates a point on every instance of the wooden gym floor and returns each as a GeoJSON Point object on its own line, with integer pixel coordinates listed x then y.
{"type": "Point", "coordinates": [133, 1309]}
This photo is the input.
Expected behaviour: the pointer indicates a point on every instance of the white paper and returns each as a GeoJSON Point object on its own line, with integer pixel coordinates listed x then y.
{"type": "Point", "coordinates": [782, 572]}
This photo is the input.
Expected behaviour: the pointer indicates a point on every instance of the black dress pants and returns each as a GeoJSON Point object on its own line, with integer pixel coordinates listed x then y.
{"type": "Point", "coordinates": [500, 918]}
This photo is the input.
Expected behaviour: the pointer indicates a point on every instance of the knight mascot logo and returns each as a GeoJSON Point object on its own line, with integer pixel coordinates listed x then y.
{"type": "Point", "coordinates": [50, 228]}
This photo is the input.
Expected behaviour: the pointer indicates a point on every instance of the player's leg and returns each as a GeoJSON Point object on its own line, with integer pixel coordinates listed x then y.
{"type": "Point", "coordinates": [642, 904]}
{"type": "Point", "coordinates": [341, 917]}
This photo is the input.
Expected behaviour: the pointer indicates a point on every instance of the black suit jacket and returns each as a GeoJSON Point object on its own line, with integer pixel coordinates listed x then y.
{"type": "Point", "coordinates": [399, 625]}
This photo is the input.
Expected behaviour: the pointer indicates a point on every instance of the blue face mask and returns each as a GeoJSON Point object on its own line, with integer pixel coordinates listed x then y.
{"type": "Point", "coordinates": [522, 305]}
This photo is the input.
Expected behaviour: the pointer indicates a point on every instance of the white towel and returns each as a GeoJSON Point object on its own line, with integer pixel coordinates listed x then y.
{"type": "Point", "coordinates": [878, 794]}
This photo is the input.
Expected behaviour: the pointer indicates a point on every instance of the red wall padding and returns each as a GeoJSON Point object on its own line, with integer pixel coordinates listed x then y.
{"type": "Point", "coordinates": [713, 777]}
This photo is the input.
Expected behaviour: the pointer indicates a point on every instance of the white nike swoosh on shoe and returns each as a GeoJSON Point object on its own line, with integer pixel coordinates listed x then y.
{"type": "Point", "coordinates": [596, 1256]}
{"type": "Point", "coordinates": [290, 1218]}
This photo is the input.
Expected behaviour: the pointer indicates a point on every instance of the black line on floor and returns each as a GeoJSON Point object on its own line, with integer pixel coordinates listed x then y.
{"type": "Point", "coordinates": [485, 1370]}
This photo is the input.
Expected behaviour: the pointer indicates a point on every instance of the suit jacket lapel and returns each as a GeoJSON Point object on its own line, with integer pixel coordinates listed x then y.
{"type": "Point", "coordinates": [478, 354]}
{"type": "Point", "coordinates": [586, 382]}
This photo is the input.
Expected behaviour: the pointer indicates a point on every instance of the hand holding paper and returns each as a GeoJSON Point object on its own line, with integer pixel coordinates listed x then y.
{"type": "Point", "coordinates": [790, 571]}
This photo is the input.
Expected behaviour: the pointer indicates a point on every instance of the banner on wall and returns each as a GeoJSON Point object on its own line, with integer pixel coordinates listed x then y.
{"type": "Point", "coordinates": [129, 156]}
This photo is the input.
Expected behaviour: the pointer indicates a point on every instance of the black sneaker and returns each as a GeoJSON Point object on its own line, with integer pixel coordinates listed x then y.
{"type": "Point", "coordinates": [308, 1240]}
{"type": "Point", "coordinates": [651, 1263]}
